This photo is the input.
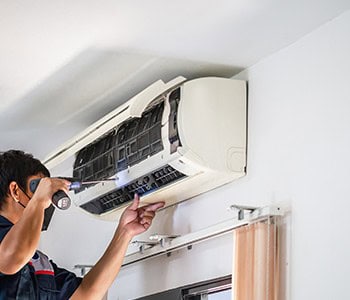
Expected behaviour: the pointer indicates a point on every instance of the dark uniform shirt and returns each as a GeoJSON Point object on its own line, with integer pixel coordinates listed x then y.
{"type": "Point", "coordinates": [40, 278]}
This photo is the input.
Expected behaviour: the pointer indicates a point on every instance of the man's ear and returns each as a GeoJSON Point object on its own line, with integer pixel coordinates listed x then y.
{"type": "Point", "coordinates": [14, 190]}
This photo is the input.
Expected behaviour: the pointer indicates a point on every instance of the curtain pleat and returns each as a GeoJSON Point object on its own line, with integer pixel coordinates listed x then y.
{"type": "Point", "coordinates": [256, 262]}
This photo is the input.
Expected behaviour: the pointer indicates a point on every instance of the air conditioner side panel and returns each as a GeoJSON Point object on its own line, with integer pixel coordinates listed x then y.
{"type": "Point", "coordinates": [212, 122]}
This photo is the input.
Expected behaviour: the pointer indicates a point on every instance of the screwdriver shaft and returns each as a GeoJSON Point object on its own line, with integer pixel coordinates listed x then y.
{"type": "Point", "coordinates": [97, 181]}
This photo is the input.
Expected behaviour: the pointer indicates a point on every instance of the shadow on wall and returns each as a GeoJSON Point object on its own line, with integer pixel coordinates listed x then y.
{"type": "Point", "coordinates": [92, 84]}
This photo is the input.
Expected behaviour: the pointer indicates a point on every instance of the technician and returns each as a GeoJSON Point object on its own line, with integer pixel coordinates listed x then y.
{"type": "Point", "coordinates": [25, 272]}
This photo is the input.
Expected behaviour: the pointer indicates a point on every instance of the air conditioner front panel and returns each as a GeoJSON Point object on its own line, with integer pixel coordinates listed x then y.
{"type": "Point", "coordinates": [124, 146]}
{"type": "Point", "coordinates": [132, 108]}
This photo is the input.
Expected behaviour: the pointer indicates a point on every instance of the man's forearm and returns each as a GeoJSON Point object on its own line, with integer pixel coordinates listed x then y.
{"type": "Point", "coordinates": [20, 243]}
{"type": "Point", "coordinates": [96, 283]}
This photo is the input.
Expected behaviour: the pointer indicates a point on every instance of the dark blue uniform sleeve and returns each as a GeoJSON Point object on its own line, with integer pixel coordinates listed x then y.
{"type": "Point", "coordinates": [66, 282]}
{"type": "Point", "coordinates": [5, 226]}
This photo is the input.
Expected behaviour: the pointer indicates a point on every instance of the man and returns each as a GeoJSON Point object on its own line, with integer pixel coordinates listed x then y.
{"type": "Point", "coordinates": [26, 273]}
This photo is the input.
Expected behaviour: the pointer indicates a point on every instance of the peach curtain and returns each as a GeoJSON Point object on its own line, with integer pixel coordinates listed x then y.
{"type": "Point", "coordinates": [256, 262]}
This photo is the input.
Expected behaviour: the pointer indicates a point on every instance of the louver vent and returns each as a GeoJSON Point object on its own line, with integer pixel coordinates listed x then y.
{"type": "Point", "coordinates": [142, 185]}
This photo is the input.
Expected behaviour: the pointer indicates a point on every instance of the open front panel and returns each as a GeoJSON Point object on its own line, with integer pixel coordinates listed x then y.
{"type": "Point", "coordinates": [139, 138]}
{"type": "Point", "coordinates": [125, 146]}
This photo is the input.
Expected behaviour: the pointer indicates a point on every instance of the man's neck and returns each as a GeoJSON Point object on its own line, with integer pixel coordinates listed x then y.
{"type": "Point", "coordinates": [11, 212]}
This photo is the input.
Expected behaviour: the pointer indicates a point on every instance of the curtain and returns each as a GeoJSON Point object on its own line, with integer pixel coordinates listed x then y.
{"type": "Point", "coordinates": [256, 261]}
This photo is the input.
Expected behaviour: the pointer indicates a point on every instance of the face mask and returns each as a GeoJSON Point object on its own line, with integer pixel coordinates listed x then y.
{"type": "Point", "coordinates": [47, 213]}
{"type": "Point", "coordinates": [47, 217]}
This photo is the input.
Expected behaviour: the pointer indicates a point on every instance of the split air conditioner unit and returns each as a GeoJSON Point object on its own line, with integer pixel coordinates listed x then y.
{"type": "Point", "coordinates": [170, 142]}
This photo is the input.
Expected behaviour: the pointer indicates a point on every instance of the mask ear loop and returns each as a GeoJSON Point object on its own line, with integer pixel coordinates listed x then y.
{"type": "Point", "coordinates": [19, 202]}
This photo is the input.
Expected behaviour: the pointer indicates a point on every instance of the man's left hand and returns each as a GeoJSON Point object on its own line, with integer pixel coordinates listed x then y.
{"type": "Point", "coordinates": [136, 220]}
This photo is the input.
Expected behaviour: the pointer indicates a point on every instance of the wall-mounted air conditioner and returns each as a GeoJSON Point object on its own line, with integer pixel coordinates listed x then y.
{"type": "Point", "coordinates": [170, 142]}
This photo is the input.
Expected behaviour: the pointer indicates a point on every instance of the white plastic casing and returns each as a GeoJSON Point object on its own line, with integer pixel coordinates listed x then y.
{"type": "Point", "coordinates": [211, 120]}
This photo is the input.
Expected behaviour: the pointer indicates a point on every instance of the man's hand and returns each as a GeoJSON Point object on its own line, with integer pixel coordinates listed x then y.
{"type": "Point", "coordinates": [47, 187]}
{"type": "Point", "coordinates": [133, 221]}
{"type": "Point", "coordinates": [136, 220]}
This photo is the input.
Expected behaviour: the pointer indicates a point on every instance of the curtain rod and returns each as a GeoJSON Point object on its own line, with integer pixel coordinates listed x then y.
{"type": "Point", "coordinates": [165, 244]}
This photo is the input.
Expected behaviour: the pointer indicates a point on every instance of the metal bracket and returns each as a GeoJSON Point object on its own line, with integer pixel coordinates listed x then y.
{"type": "Point", "coordinates": [143, 245]}
{"type": "Point", "coordinates": [155, 239]}
{"type": "Point", "coordinates": [241, 209]}
{"type": "Point", "coordinates": [83, 268]}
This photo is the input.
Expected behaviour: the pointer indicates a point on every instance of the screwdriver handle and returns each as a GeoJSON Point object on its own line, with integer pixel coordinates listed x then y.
{"type": "Point", "coordinates": [60, 199]}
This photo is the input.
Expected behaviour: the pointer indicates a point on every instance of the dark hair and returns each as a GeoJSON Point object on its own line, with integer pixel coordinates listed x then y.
{"type": "Point", "coordinates": [15, 165]}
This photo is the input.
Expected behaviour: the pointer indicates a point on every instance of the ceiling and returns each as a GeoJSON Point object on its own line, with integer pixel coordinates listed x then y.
{"type": "Point", "coordinates": [64, 64]}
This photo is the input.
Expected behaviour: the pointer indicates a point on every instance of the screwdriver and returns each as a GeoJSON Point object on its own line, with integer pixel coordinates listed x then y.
{"type": "Point", "coordinates": [60, 199]}
{"type": "Point", "coordinates": [77, 184]}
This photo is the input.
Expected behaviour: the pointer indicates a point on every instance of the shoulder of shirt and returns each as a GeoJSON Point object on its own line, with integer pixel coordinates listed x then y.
{"type": "Point", "coordinates": [5, 221]}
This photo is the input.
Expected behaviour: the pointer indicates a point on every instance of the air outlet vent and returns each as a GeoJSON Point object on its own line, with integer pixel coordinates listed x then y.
{"type": "Point", "coordinates": [142, 185]}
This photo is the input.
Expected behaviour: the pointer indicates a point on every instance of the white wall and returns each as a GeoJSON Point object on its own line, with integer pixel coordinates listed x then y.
{"type": "Point", "coordinates": [299, 155]}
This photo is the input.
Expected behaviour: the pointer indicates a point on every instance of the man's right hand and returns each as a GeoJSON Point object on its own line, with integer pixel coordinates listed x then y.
{"type": "Point", "coordinates": [47, 188]}
{"type": "Point", "coordinates": [21, 241]}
